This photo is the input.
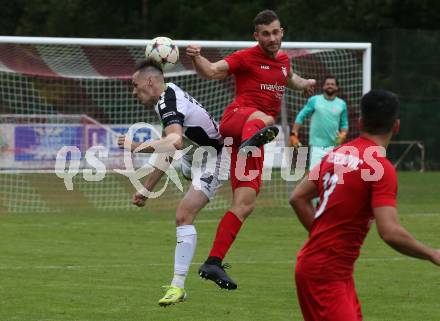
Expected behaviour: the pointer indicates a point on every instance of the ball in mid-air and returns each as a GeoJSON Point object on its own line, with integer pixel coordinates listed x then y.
{"type": "Point", "coordinates": [163, 50]}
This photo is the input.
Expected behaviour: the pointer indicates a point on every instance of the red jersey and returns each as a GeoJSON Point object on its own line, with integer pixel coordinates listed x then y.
{"type": "Point", "coordinates": [260, 80]}
{"type": "Point", "coordinates": [345, 212]}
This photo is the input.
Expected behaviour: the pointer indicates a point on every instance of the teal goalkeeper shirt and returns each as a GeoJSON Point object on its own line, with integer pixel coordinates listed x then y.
{"type": "Point", "coordinates": [328, 117]}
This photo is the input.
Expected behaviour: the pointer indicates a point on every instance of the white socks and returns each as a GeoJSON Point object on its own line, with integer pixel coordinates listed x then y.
{"type": "Point", "coordinates": [186, 245]}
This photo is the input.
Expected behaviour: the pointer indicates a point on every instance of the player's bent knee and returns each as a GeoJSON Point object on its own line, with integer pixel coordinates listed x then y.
{"type": "Point", "coordinates": [184, 220]}
{"type": "Point", "coordinates": [268, 120]}
{"type": "Point", "coordinates": [184, 215]}
{"type": "Point", "coordinates": [242, 211]}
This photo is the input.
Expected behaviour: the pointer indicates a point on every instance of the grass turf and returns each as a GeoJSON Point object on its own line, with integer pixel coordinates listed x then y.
{"type": "Point", "coordinates": [96, 265]}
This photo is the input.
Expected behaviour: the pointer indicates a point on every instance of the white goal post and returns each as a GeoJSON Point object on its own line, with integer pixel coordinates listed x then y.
{"type": "Point", "coordinates": [364, 47]}
{"type": "Point", "coordinates": [43, 80]}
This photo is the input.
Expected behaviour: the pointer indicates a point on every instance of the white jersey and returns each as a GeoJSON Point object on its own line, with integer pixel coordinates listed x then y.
{"type": "Point", "coordinates": [176, 106]}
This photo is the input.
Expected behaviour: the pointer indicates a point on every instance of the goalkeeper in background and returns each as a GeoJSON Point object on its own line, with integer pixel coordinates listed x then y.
{"type": "Point", "coordinates": [329, 123]}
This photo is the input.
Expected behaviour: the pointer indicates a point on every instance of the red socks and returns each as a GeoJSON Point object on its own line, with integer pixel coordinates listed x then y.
{"type": "Point", "coordinates": [251, 127]}
{"type": "Point", "coordinates": [229, 226]}
{"type": "Point", "coordinates": [226, 232]}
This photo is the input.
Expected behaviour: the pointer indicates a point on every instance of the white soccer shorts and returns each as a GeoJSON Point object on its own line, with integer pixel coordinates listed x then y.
{"type": "Point", "coordinates": [317, 154]}
{"type": "Point", "coordinates": [207, 173]}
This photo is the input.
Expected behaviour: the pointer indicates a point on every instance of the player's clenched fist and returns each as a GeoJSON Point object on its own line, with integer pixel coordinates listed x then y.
{"type": "Point", "coordinates": [139, 200]}
{"type": "Point", "coordinates": [294, 140]}
{"type": "Point", "coordinates": [193, 50]}
{"type": "Point", "coordinates": [121, 142]}
{"type": "Point", "coordinates": [310, 89]}
{"type": "Point", "coordinates": [342, 136]}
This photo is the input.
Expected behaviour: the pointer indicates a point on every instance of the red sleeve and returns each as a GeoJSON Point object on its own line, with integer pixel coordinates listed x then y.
{"type": "Point", "coordinates": [236, 62]}
{"type": "Point", "coordinates": [384, 190]}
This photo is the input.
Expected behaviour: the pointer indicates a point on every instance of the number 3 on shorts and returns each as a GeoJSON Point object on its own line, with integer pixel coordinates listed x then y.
{"type": "Point", "coordinates": [330, 181]}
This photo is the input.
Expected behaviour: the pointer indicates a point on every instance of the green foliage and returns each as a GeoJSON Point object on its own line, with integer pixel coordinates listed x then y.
{"type": "Point", "coordinates": [208, 19]}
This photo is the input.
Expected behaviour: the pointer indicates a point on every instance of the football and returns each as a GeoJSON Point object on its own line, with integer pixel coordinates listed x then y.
{"type": "Point", "coordinates": [163, 50]}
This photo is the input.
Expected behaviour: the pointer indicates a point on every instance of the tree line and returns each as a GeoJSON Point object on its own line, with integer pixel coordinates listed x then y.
{"type": "Point", "coordinates": [404, 33]}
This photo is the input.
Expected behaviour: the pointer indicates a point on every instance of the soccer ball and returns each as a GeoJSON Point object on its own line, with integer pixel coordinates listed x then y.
{"type": "Point", "coordinates": [164, 51]}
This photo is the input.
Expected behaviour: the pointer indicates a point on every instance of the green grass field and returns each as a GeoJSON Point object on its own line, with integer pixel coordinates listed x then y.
{"type": "Point", "coordinates": [95, 265]}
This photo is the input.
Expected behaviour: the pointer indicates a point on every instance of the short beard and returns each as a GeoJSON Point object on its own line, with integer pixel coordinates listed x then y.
{"type": "Point", "coordinates": [330, 92]}
{"type": "Point", "coordinates": [267, 49]}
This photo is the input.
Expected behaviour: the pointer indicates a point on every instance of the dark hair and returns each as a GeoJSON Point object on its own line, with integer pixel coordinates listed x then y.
{"type": "Point", "coordinates": [330, 77]}
{"type": "Point", "coordinates": [265, 17]}
{"type": "Point", "coordinates": [379, 111]}
{"type": "Point", "coordinates": [145, 64]}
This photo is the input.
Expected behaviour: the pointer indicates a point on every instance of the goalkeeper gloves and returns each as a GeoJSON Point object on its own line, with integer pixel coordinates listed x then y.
{"type": "Point", "coordinates": [294, 140]}
{"type": "Point", "coordinates": [342, 136]}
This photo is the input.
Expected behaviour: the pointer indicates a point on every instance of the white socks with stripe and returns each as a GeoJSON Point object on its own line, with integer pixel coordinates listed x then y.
{"type": "Point", "coordinates": [186, 245]}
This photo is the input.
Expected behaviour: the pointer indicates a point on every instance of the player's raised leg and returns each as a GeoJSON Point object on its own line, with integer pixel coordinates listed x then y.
{"type": "Point", "coordinates": [186, 242]}
{"type": "Point", "coordinates": [258, 130]}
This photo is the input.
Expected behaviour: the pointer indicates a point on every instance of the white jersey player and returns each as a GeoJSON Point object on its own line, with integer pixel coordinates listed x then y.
{"type": "Point", "coordinates": [176, 106]}
{"type": "Point", "coordinates": [183, 118]}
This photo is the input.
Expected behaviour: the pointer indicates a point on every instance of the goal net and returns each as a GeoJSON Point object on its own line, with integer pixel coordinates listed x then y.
{"type": "Point", "coordinates": [58, 92]}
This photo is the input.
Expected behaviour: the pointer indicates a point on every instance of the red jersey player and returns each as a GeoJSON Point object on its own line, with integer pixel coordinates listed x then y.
{"type": "Point", "coordinates": [261, 74]}
{"type": "Point", "coordinates": [356, 185]}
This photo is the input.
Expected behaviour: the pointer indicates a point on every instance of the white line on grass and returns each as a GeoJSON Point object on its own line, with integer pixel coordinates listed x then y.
{"type": "Point", "coordinates": [71, 224]}
{"type": "Point", "coordinates": [171, 222]}
{"type": "Point", "coordinates": [422, 214]}
{"type": "Point", "coordinates": [147, 221]}
{"type": "Point", "coordinates": [79, 267]}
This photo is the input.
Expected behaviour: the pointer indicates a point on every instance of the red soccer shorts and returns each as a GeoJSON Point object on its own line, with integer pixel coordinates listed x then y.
{"type": "Point", "coordinates": [324, 300]}
{"type": "Point", "coordinates": [245, 171]}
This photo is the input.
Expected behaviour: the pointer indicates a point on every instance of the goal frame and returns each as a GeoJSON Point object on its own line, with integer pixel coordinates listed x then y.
{"type": "Point", "coordinates": [363, 56]}
{"type": "Point", "coordinates": [366, 47]}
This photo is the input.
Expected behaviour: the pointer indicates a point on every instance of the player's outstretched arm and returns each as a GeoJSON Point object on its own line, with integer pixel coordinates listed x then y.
{"type": "Point", "coordinates": [153, 178]}
{"type": "Point", "coordinates": [306, 111]}
{"type": "Point", "coordinates": [341, 137]}
{"type": "Point", "coordinates": [390, 230]}
{"type": "Point", "coordinates": [294, 138]}
{"type": "Point", "coordinates": [171, 141]}
{"type": "Point", "coordinates": [205, 68]}
{"type": "Point", "coordinates": [162, 161]}
{"type": "Point", "coordinates": [343, 125]}
{"type": "Point", "coordinates": [301, 202]}
{"type": "Point", "coordinates": [295, 82]}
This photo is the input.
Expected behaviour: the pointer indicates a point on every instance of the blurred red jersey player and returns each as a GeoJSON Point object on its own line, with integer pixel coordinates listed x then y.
{"type": "Point", "coordinates": [261, 73]}
{"type": "Point", "coordinates": [356, 185]}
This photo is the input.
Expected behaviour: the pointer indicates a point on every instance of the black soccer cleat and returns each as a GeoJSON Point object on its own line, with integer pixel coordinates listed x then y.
{"type": "Point", "coordinates": [217, 274]}
{"type": "Point", "coordinates": [260, 138]}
